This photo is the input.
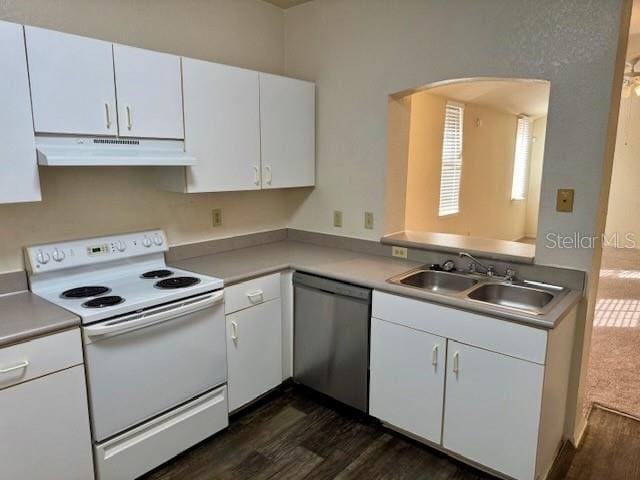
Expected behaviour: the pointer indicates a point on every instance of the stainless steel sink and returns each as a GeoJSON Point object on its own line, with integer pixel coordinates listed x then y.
{"type": "Point", "coordinates": [497, 293]}
{"type": "Point", "coordinates": [526, 299]}
{"type": "Point", "coordinates": [435, 281]}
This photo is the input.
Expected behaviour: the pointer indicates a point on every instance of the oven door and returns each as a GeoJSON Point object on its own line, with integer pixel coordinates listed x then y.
{"type": "Point", "coordinates": [143, 364]}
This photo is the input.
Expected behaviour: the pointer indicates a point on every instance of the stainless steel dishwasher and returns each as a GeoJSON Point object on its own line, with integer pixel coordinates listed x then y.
{"type": "Point", "coordinates": [331, 338]}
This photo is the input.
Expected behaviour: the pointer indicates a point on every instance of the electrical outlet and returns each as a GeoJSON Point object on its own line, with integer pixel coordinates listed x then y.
{"type": "Point", "coordinates": [337, 218]}
{"type": "Point", "coordinates": [216, 217]}
{"type": "Point", "coordinates": [399, 252]}
{"type": "Point", "coordinates": [368, 220]}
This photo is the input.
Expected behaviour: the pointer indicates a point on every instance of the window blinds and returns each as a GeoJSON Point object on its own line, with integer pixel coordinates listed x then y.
{"type": "Point", "coordinates": [451, 171]}
{"type": "Point", "coordinates": [521, 159]}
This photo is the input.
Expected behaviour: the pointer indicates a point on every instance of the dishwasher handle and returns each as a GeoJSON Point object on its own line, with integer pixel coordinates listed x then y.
{"type": "Point", "coordinates": [331, 286]}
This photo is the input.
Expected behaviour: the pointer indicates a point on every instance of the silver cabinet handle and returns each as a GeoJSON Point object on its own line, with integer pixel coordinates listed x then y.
{"type": "Point", "coordinates": [256, 175]}
{"type": "Point", "coordinates": [107, 114]}
{"type": "Point", "coordinates": [19, 366]}
{"type": "Point", "coordinates": [129, 118]}
{"type": "Point", "coordinates": [257, 296]}
{"type": "Point", "coordinates": [434, 356]}
{"type": "Point", "coordinates": [456, 363]}
{"type": "Point", "coordinates": [267, 174]}
{"type": "Point", "coordinates": [234, 330]}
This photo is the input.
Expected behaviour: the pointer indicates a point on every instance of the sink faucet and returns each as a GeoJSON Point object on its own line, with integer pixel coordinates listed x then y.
{"type": "Point", "coordinates": [489, 270]}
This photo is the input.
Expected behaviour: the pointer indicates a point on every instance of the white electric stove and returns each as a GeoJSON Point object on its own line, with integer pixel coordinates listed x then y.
{"type": "Point", "coordinates": [154, 344]}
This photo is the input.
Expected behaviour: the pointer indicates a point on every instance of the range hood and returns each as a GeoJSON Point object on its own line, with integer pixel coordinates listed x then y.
{"type": "Point", "coordinates": [105, 151]}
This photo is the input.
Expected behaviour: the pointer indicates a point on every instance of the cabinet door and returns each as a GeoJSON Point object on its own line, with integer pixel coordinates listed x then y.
{"type": "Point", "coordinates": [72, 86]}
{"type": "Point", "coordinates": [492, 409]}
{"type": "Point", "coordinates": [287, 131]}
{"type": "Point", "coordinates": [407, 378]}
{"type": "Point", "coordinates": [44, 428]}
{"type": "Point", "coordinates": [19, 180]}
{"type": "Point", "coordinates": [254, 352]}
{"type": "Point", "coordinates": [149, 87]}
{"type": "Point", "coordinates": [222, 126]}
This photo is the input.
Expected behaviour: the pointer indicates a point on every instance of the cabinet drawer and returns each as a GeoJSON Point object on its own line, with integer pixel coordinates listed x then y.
{"type": "Point", "coordinates": [252, 292]}
{"type": "Point", "coordinates": [38, 357]}
{"type": "Point", "coordinates": [501, 336]}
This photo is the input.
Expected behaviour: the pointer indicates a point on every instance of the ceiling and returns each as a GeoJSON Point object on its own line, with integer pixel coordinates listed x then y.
{"type": "Point", "coordinates": [286, 3]}
{"type": "Point", "coordinates": [516, 97]}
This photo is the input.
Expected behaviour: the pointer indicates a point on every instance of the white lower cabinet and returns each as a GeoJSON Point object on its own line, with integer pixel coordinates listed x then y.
{"type": "Point", "coordinates": [487, 390]}
{"type": "Point", "coordinates": [407, 378]}
{"type": "Point", "coordinates": [254, 352]}
{"type": "Point", "coordinates": [44, 428]}
{"type": "Point", "coordinates": [492, 409]}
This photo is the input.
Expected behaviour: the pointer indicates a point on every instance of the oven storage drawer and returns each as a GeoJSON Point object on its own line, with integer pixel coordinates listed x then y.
{"type": "Point", "coordinates": [145, 447]}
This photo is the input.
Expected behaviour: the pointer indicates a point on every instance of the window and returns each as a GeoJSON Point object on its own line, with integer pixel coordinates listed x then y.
{"type": "Point", "coordinates": [451, 171]}
{"type": "Point", "coordinates": [521, 159]}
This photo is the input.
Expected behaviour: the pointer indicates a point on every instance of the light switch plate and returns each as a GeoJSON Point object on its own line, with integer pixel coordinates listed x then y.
{"type": "Point", "coordinates": [337, 218]}
{"type": "Point", "coordinates": [399, 252]}
{"type": "Point", "coordinates": [564, 200]}
{"type": "Point", "coordinates": [368, 220]}
{"type": "Point", "coordinates": [216, 217]}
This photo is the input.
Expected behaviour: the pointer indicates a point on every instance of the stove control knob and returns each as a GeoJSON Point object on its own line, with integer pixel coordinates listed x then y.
{"type": "Point", "coordinates": [42, 257]}
{"type": "Point", "coordinates": [58, 255]}
{"type": "Point", "coordinates": [121, 246]}
{"type": "Point", "coordinates": [146, 241]}
{"type": "Point", "coordinates": [157, 239]}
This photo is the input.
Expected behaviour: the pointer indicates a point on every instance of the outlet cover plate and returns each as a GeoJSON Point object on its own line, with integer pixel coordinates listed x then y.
{"type": "Point", "coordinates": [400, 252]}
{"type": "Point", "coordinates": [216, 217]}
{"type": "Point", "coordinates": [368, 220]}
{"type": "Point", "coordinates": [564, 200]}
{"type": "Point", "coordinates": [337, 218]}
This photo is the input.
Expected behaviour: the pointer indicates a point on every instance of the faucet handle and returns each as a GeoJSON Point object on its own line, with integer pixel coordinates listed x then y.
{"type": "Point", "coordinates": [510, 274]}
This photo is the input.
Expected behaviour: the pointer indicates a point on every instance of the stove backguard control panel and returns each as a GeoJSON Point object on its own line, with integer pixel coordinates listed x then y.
{"type": "Point", "coordinates": [77, 253]}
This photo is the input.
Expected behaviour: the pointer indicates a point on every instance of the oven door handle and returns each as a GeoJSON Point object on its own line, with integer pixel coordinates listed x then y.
{"type": "Point", "coordinates": [123, 325]}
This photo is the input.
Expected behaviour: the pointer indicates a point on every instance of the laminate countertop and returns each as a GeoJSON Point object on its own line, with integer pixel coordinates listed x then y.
{"type": "Point", "coordinates": [24, 316]}
{"type": "Point", "coordinates": [370, 271]}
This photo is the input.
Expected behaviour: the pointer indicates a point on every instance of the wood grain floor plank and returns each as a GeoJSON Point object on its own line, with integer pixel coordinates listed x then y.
{"type": "Point", "coordinates": [294, 434]}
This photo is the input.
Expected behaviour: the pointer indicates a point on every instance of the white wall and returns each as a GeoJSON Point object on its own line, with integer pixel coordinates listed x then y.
{"type": "Point", "coordinates": [360, 51]}
{"type": "Point", "coordinates": [486, 208]}
{"type": "Point", "coordinates": [86, 201]}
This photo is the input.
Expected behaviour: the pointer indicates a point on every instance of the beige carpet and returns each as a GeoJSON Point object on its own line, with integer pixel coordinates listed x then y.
{"type": "Point", "coordinates": [613, 378]}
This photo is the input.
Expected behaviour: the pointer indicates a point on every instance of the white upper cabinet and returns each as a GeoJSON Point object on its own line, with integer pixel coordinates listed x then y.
{"type": "Point", "coordinates": [72, 85]}
{"type": "Point", "coordinates": [287, 127]}
{"type": "Point", "coordinates": [149, 89]}
{"type": "Point", "coordinates": [222, 126]}
{"type": "Point", "coordinates": [19, 179]}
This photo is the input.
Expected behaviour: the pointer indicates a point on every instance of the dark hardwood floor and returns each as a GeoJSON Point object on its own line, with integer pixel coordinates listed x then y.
{"type": "Point", "coordinates": [295, 434]}
{"type": "Point", "coordinates": [610, 450]}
